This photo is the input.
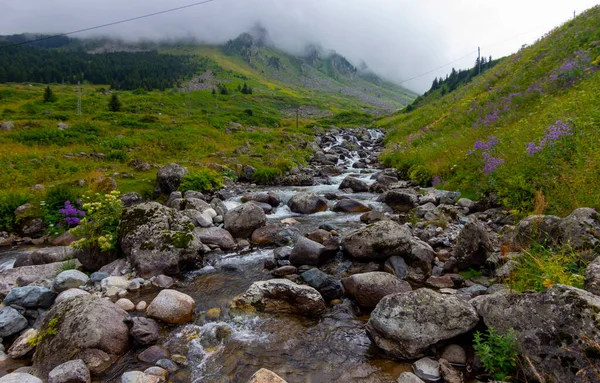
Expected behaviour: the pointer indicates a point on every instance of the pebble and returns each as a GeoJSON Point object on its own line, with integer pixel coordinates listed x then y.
{"type": "Point", "coordinates": [168, 365]}
{"type": "Point", "coordinates": [141, 306]}
{"type": "Point", "coordinates": [125, 304]}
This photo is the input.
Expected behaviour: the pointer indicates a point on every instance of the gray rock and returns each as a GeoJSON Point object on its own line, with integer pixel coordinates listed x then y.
{"type": "Point", "coordinates": [70, 279]}
{"type": "Point", "coordinates": [11, 322]}
{"type": "Point", "coordinates": [283, 271]}
{"type": "Point", "coordinates": [397, 266]}
{"type": "Point", "coordinates": [98, 276]}
{"type": "Point", "coordinates": [168, 365]}
{"type": "Point", "coordinates": [73, 371]}
{"type": "Point", "coordinates": [280, 296]}
{"type": "Point", "coordinates": [70, 293]}
{"type": "Point", "coordinates": [399, 201]}
{"type": "Point", "coordinates": [269, 198]}
{"type": "Point", "coordinates": [307, 252]}
{"type": "Point", "coordinates": [162, 281]}
{"type": "Point", "coordinates": [216, 236]}
{"type": "Point", "coordinates": [26, 275]}
{"type": "Point", "coordinates": [23, 344]}
{"type": "Point", "coordinates": [378, 241]}
{"type": "Point", "coordinates": [145, 330]}
{"type": "Point", "coordinates": [19, 377]}
{"type": "Point", "coordinates": [455, 354]}
{"type": "Point", "coordinates": [427, 368]}
{"type": "Point", "coordinates": [473, 246]}
{"type": "Point", "coordinates": [329, 287]}
{"type": "Point", "coordinates": [153, 354]}
{"type": "Point", "coordinates": [7, 126]}
{"type": "Point", "coordinates": [307, 203]}
{"type": "Point", "coordinates": [405, 325]}
{"type": "Point", "coordinates": [131, 199]}
{"type": "Point", "coordinates": [350, 206]}
{"type": "Point", "coordinates": [592, 277]}
{"type": "Point", "coordinates": [138, 377]}
{"type": "Point", "coordinates": [62, 126]}
{"type": "Point", "coordinates": [204, 220]}
{"type": "Point", "coordinates": [581, 228]}
{"type": "Point", "coordinates": [275, 234]}
{"type": "Point", "coordinates": [194, 194]}
{"type": "Point", "coordinates": [173, 307]}
{"type": "Point", "coordinates": [369, 288]}
{"type": "Point", "coordinates": [465, 202]}
{"type": "Point", "coordinates": [554, 329]}
{"type": "Point", "coordinates": [88, 328]}
{"type": "Point", "coordinates": [169, 177]}
{"type": "Point", "coordinates": [357, 186]}
{"type": "Point", "coordinates": [473, 291]}
{"type": "Point", "coordinates": [282, 253]}
{"type": "Point", "coordinates": [30, 297]}
{"type": "Point", "coordinates": [538, 228]}
{"type": "Point", "coordinates": [244, 219]}
{"type": "Point", "coordinates": [157, 239]}
{"type": "Point", "coordinates": [409, 377]}
{"type": "Point", "coordinates": [449, 374]}
{"type": "Point", "coordinates": [46, 255]}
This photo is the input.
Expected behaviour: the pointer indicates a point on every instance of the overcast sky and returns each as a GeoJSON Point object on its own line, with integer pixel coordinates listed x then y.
{"type": "Point", "coordinates": [399, 39]}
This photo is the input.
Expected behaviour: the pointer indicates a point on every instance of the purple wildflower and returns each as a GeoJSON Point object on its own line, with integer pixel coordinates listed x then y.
{"type": "Point", "coordinates": [491, 163]}
{"type": "Point", "coordinates": [552, 134]}
{"type": "Point", "coordinates": [436, 181]}
{"type": "Point", "coordinates": [71, 214]}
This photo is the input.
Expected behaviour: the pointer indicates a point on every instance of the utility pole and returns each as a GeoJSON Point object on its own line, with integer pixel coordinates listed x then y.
{"type": "Point", "coordinates": [479, 58]}
{"type": "Point", "coordinates": [78, 98]}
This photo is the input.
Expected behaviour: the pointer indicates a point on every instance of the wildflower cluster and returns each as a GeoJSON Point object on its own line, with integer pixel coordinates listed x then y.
{"type": "Point", "coordinates": [71, 215]}
{"type": "Point", "coordinates": [572, 70]}
{"type": "Point", "coordinates": [552, 134]}
{"type": "Point", "coordinates": [491, 163]}
{"type": "Point", "coordinates": [98, 229]}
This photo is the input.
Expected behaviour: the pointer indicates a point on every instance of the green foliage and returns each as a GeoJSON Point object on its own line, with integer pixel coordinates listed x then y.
{"type": "Point", "coordinates": [53, 201]}
{"type": "Point", "coordinates": [265, 176]}
{"type": "Point", "coordinates": [419, 174]}
{"type": "Point", "coordinates": [9, 202]}
{"type": "Point", "coordinates": [69, 264]}
{"type": "Point", "coordinates": [51, 330]}
{"type": "Point", "coordinates": [498, 353]}
{"type": "Point", "coordinates": [351, 118]}
{"type": "Point", "coordinates": [49, 95]}
{"type": "Point", "coordinates": [542, 267]}
{"type": "Point", "coordinates": [98, 230]}
{"type": "Point", "coordinates": [203, 180]}
{"type": "Point", "coordinates": [470, 273]}
{"type": "Point", "coordinates": [114, 105]}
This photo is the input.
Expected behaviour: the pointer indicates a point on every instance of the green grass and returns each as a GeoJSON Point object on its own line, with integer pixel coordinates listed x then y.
{"type": "Point", "coordinates": [530, 91]}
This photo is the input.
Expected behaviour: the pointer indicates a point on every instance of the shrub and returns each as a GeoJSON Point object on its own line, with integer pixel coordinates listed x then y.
{"type": "Point", "coordinates": [420, 175]}
{"type": "Point", "coordinates": [203, 180]}
{"type": "Point", "coordinates": [98, 230]}
{"type": "Point", "coordinates": [266, 176]}
{"type": "Point", "coordinates": [542, 267]}
{"type": "Point", "coordinates": [117, 155]}
{"type": "Point", "coordinates": [498, 353]}
{"type": "Point", "coordinates": [9, 202]}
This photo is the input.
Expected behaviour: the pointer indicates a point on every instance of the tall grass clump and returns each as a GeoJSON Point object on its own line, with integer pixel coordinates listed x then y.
{"type": "Point", "coordinates": [9, 202]}
{"type": "Point", "coordinates": [202, 180]}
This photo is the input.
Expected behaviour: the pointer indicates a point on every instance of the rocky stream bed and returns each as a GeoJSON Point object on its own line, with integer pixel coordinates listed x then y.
{"type": "Point", "coordinates": [341, 272]}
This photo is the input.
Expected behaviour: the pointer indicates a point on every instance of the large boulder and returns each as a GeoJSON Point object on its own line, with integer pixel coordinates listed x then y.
{"type": "Point", "coordinates": [244, 219]}
{"type": "Point", "coordinates": [169, 177]}
{"type": "Point", "coordinates": [405, 325]}
{"type": "Point", "coordinates": [275, 234]}
{"type": "Point", "coordinates": [473, 246]}
{"type": "Point", "coordinates": [11, 321]}
{"type": "Point", "coordinates": [269, 198]}
{"type": "Point", "coordinates": [215, 236]}
{"type": "Point", "coordinates": [26, 275]}
{"type": "Point", "coordinates": [73, 371]}
{"type": "Point", "coordinates": [46, 255]}
{"type": "Point", "coordinates": [356, 185]}
{"type": "Point", "coordinates": [145, 330]}
{"type": "Point", "coordinates": [329, 287]}
{"type": "Point", "coordinates": [378, 241]}
{"type": "Point", "coordinates": [85, 327]}
{"type": "Point", "coordinates": [93, 259]}
{"type": "Point", "coordinates": [557, 330]}
{"type": "Point", "coordinates": [308, 252]}
{"type": "Point", "coordinates": [70, 279]}
{"type": "Point", "coordinates": [350, 206]}
{"type": "Point", "coordinates": [537, 228]}
{"type": "Point", "coordinates": [369, 288]}
{"type": "Point", "coordinates": [581, 228]}
{"type": "Point", "coordinates": [173, 307]}
{"type": "Point", "coordinates": [30, 297]}
{"type": "Point", "coordinates": [157, 239]}
{"type": "Point", "coordinates": [307, 203]}
{"type": "Point", "coordinates": [399, 201]}
{"type": "Point", "coordinates": [20, 377]}
{"type": "Point", "coordinates": [280, 296]}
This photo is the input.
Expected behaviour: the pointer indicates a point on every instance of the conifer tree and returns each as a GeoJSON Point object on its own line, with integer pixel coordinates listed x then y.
{"type": "Point", "coordinates": [49, 95]}
{"type": "Point", "coordinates": [114, 105]}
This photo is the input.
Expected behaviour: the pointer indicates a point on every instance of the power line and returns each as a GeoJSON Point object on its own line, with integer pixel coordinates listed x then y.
{"type": "Point", "coordinates": [109, 24]}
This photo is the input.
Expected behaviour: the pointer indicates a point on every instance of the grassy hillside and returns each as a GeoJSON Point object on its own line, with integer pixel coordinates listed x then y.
{"type": "Point", "coordinates": [527, 130]}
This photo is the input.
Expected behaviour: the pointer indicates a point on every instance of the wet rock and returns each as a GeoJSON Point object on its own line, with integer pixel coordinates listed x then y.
{"type": "Point", "coordinates": [448, 372]}
{"type": "Point", "coordinates": [397, 266]}
{"type": "Point", "coordinates": [283, 271]}
{"type": "Point", "coordinates": [30, 297]}
{"type": "Point", "coordinates": [307, 252]}
{"type": "Point", "coordinates": [73, 371]}
{"type": "Point", "coordinates": [138, 377]}
{"type": "Point", "coordinates": [356, 185]}
{"type": "Point", "coordinates": [157, 371]}
{"type": "Point", "coordinates": [372, 217]}
{"type": "Point", "coordinates": [538, 228]}
{"type": "Point", "coordinates": [399, 201]}
{"type": "Point", "coordinates": [592, 277]}
{"type": "Point", "coordinates": [320, 236]}
{"type": "Point", "coordinates": [405, 325]}
{"type": "Point", "coordinates": [153, 354]}
{"type": "Point", "coordinates": [169, 177]}
{"type": "Point", "coordinates": [280, 296]}
{"type": "Point", "coordinates": [581, 228]}
{"type": "Point", "coordinates": [473, 246]}
{"type": "Point", "coordinates": [269, 198]}
{"type": "Point", "coordinates": [23, 344]}
{"type": "Point", "coordinates": [267, 209]}
{"type": "Point", "coordinates": [282, 253]}
{"type": "Point", "coordinates": [265, 376]}
{"type": "Point", "coordinates": [70, 293]}
{"type": "Point", "coordinates": [378, 241]}
{"type": "Point", "coordinates": [19, 377]}
{"type": "Point", "coordinates": [216, 236]}
{"type": "Point", "coordinates": [88, 328]}
{"type": "Point", "coordinates": [535, 317]}
{"type": "Point", "coordinates": [244, 219]}
{"type": "Point", "coordinates": [369, 288]}
{"type": "Point", "coordinates": [455, 354]}
{"type": "Point", "coordinates": [307, 203]}
{"type": "Point", "coordinates": [156, 239]}
{"type": "Point", "coordinates": [427, 368]}
{"type": "Point", "coordinates": [409, 377]}
{"type": "Point", "coordinates": [172, 307]}
{"type": "Point", "coordinates": [350, 206]}
{"type": "Point", "coordinates": [70, 279]}
{"type": "Point", "coordinates": [329, 287]}
{"type": "Point", "coordinates": [46, 255]}
{"type": "Point", "coordinates": [168, 365]}
{"type": "Point", "coordinates": [11, 321]}
{"type": "Point", "coordinates": [275, 234]}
